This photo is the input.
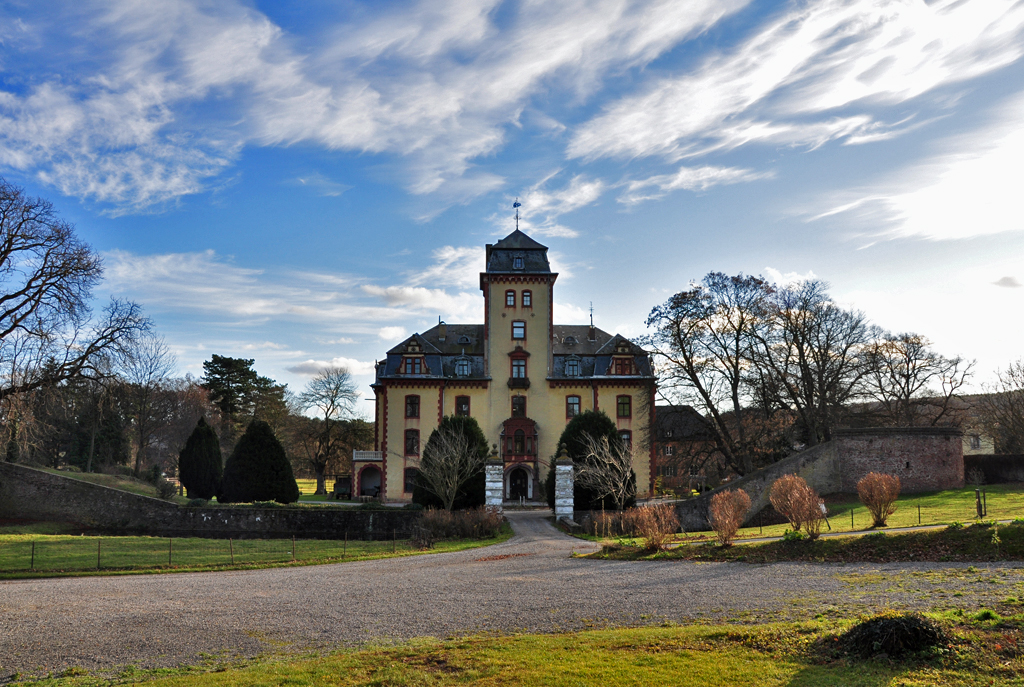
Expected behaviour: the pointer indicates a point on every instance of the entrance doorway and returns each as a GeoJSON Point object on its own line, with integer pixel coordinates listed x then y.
{"type": "Point", "coordinates": [369, 481]}
{"type": "Point", "coordinates": [518, 484]}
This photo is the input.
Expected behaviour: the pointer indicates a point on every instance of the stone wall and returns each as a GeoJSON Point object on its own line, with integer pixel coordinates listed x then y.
{"type": "Point", "coordinates": [924, 458]}
{"type": "Point", "coordinates": [38, 495]}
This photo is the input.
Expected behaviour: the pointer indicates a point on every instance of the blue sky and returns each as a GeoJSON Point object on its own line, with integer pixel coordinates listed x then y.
{"type": "Point", "coordinates": [304, 183]}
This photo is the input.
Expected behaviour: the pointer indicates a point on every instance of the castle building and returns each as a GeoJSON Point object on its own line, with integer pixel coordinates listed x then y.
{"type": "Point", "coordinates": [521, 376]}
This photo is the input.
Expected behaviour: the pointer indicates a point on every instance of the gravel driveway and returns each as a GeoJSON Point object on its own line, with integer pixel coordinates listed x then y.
{"type": "Point", "coordinates": [528, 583]}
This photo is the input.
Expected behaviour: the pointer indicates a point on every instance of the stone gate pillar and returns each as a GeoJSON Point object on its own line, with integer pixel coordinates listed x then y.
{"type": "Point", "coordinates": [494, 481]}
{"type": "Point", "coordinates": [564, 485]}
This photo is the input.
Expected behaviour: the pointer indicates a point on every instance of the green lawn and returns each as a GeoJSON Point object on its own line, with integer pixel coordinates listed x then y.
{"type": "Point", "coordinates": [780, 654]}
{"type": "Point", "coordinates": [64, 555]}
{"type": "Point", "coordinates": [1005, 502]}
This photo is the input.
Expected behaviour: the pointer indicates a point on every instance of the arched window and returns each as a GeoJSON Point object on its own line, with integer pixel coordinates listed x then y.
{"type": "Point", "coordinates": [572, 406]}
{"type": "Point", "coordinates": [412, 406]}
{"type": "Point", "coordinates": [527, 299]}
{"type": "Point", "coordinates": [510, 299]}
{"type": "Point", "coordinates": [624, 406]}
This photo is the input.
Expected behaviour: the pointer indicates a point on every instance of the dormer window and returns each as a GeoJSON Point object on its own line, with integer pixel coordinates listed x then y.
{"type": "Point", "coordinates": [570, 341]}
{"type": "Point", "coordinates": [464, 340]}
{"type": "Point", "coordinates": [413, 365]}
{"type": "Point", "coordinates": [517, 262]}
{"type": "Point", "coordinates": [462, 367]}
{"type": "Point", "coordinates": [623, 366]}
{"type": "Point", "coordinates": [572, 367]}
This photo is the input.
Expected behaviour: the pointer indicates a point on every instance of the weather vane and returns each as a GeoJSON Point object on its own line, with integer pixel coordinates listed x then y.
{"type": "Point", "coordinates": [517, 205]}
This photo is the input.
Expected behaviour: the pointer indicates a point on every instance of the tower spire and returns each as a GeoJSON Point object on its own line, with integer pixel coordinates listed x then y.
{"type": "Point", "coordinates": [517, 205]}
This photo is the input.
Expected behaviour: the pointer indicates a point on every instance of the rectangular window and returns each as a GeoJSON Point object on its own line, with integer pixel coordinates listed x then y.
{"type": "Point", "coordinates": [412, 406]}
{"type": "Point", "coordinates": [410, 480]}
{"type": "Point", "coordinates": [518, 329]}
{"type": "Point", "coordinates": [623, 366]}
{"type": "Point", "coordinates": [517, 263]}
{"type": "Point", "coordinates": [624, 404]}
{"type": "Point", "coordinates": [510, 299]}
{"type": "Point", "coordinates": [667, 471]}
{"type": "Point", "coordinates": [572, 406]}
{"type": "Point", "coordinates": [414, 366]}
{"type": "Point", "coordinates": [627, 439]}
{"type": "Point", "coordinates": [527, 299]}
{"type": "Point", "coordinates": [572, 368]}
{"type": "Point", "coordinates": [670, 450]}
{"type": "Point", "coordinates": [519, 369]}
{"type": "Point", "coordinates": [519, 406]}
{"type": "Point", "coordinates": [412, 442]}
{"type": "Point", "coordinates": [462, 367]}
{"type": "Point", "coordinates": [975, 441]}
{"type": "Point", "coordinates": [462, 406]}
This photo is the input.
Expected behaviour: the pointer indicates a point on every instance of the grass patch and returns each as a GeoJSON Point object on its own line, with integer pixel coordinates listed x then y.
{"type": "Point", "coordinates": [973, 543]}
{"type": "Point", "coordinates": [69, 556]}
{"type": "Point", "coordinates": [129, 484]}
{"type": "Point", "coordinates": [1005, 502]}
{"type": "Point", "coordinates": [795, 654]}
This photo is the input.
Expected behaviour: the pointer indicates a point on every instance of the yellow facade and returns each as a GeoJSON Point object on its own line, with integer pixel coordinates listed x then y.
{"type": "Point", "coordinates": [514, 374]}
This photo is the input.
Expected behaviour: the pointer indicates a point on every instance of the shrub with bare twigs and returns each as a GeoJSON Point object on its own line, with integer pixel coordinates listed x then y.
{"type": "Point", "coordinates": [878, 493]}
{"type": "Point", "coordinates": [789, 496]}
{"type": "Point", "coordinates": [656, 524]}
{"type": "Point", "coordinates": [727, 511]}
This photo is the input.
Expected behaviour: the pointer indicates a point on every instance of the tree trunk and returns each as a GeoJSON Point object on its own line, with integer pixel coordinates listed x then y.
{"type": "Point", "coordinates": [321, 480]}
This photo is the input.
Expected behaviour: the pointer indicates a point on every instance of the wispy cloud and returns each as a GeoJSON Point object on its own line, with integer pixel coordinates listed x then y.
{"type": "Point", "coordinates": [1008, 282]}
{"type": "Point", "coordinates": [543, 206]}
{"type": "Point", "coordinates": [308, 368]}
{"type": "Point", "coordinates": [813, 60]}
{"type": "Point", "coordinates": [429, 84]}
{"type": "Point", "coordinates": [968, 190]}
{"type": "Point", "coordinates": [688, 178]}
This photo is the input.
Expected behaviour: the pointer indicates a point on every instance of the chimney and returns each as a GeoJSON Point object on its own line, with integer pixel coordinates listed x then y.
{"type": "Point", "coordinates": [487, 257]}
{"type": "Point", "coordinates": [442, 332]}
{"type": "Point", "coordinates": [592, 333]}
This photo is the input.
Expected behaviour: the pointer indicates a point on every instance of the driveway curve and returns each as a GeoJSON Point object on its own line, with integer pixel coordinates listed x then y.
{"type": "Point", "coordinates": [529, 584]}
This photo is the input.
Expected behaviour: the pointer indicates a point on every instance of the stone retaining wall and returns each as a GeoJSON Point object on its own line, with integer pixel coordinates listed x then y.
{"type": "Point", "coordinates": [38, 495]}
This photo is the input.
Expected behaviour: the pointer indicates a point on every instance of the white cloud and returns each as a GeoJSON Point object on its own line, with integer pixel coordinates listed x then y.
{"type": "Point", "coordinates": [567, 313]}
{"type": "Point", "coordinates": [810, 61]}
{"type": "Point", "coordinates": [969, 190]}
{"type": "Point", "coordinates": [1008, 282]}
{"type": "Point", "coordinates": [787, 278]}
{"type": "Point", "coordinates": [453, 266]}
{"type": "Point", "coordinates": [542, 207]}
{"type": "Point", "coordinates": [393, 333]}
{"type": "Point", "coordinates": [310, 367]}
{"type": "Point", "coordinates": [688, 178]}
{"type": "Point", "coordinates": [437, 301]}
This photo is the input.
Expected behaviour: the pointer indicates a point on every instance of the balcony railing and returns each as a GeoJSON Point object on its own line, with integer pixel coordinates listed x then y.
{"type": "Point", "coordinates": [368, 456]}
{"type": "Point", "coordinates": [518, 382]}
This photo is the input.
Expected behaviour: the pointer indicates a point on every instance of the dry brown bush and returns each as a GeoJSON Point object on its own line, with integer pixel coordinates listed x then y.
{"type": "Point", "coordinates": [727, 511]}
{"type": "Point", "coordinates": [478, 523]}
{"type": "Point", "coordinates": [878, 493]}
{"type": "Point", "coordinates": [656, 524]}
{"type": "Point", "coordinates": [789, 497]}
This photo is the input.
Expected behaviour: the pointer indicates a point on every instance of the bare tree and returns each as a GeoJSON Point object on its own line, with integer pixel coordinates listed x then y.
{"type": "Point", "coordinates": [46, 279]}
{"type": "Point", "coordinates": [454, 455]}
{"type": "Point", "coordinates": [332, 393]}
{"type": "Point", "coordinates": [705, 339]}
{"type": "Point", "coordinates": [1002, 409]}
{"type": "Point", "coordinates": [810, 356]}
{"type": "Point", "coordinates": [912, 384]}
{"type": "Point", "coordinates": [145, 367]}
{"type": "Point", "coordinates": [607, 469]}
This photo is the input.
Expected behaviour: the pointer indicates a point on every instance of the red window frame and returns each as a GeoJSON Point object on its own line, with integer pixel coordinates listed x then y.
{"type": "Point", "coordinates": [461, 401]}
{"type": "Point", "coordinates": [520, 365]}
{"type": "Point", "coordinates": [413, 365]}
{"type": "Point", "coordinates": [624, 406]}
{"type": "Point", "coordinates": [623, 366]}
{"type": "Point", "coordinates": [412, 442]}
{"type": "Point", "coordinates": [510, 299]}
{"type": "Point", "coordinates": [570, 402]}
{"type": "Point", "coordinates": [412, 406]}
{"type": "Point", "coordinates": [527, 299]}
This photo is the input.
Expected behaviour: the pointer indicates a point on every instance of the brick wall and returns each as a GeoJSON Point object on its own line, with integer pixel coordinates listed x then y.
{"type": "Point", "coordinates": [924, 458]}
{"type": "Point", "coordinates": [34, 494]}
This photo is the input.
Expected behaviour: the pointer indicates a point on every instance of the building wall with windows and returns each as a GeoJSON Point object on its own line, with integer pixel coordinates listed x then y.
{"type": "Point", "coordinates": [519, 374]}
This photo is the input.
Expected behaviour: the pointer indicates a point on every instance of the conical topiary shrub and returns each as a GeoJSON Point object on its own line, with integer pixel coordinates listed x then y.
{"type": "Point", "coordinates": [200, 464]}
{"type": "Point", "coordinates": [258, 469]}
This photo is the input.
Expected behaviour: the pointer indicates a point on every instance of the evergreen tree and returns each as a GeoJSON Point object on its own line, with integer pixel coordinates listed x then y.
{"type": "Point", "coordinates": [199, 463]}
{"type": "Point", "coordinates": [472, 493]}
{"type": "Point", "coordinates": [596, 424]}
{"type": "Point", "coordinates": [258, 469]}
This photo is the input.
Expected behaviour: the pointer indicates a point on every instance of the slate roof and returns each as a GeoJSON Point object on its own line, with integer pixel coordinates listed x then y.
{"type": "Point", "coordinates": [501, 255]}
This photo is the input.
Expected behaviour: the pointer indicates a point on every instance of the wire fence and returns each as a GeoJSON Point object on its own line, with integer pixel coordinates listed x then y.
{"type": "Point", "coordinates": [55, 554]}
